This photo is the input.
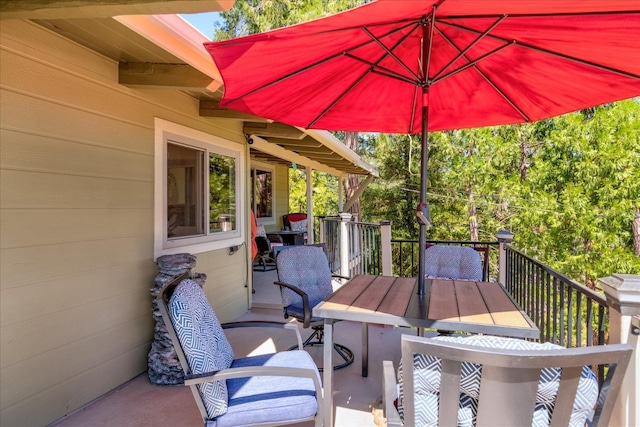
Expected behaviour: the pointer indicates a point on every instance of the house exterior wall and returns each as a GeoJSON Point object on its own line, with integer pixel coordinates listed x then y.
{"type": "Point", "coordinates": [76, 211]}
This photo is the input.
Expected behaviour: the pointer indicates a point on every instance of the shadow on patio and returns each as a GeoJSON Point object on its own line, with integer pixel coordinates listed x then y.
{"type": "Point", "coordinates": [143, 404]}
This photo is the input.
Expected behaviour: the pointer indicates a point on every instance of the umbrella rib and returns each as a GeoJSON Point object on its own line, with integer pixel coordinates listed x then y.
{"type": "Point", "coordinates": [390, 53]}
{"type": "Point", "coordinates": [414, 108]}
{"type": "Point", "coordinates": [546, 15]}
{"type": "Point", "coordinates": [375, 68]}
{"type": "Point", "coordinates": [463, 52]}
{"type": "Point", "coordinates": [547, 51]}
{"type": "Point", "coordinates": [285, 77]}
{"type": "Point", "coordinates": [322, 61]}
{"type": "Point", "coordinates": [472, 63]}
{"type": "Point", "coordinates": [335, 101]}
{"type": "Point", "coordinates": [431, 29]}
{"type": "Point", "coordinates": [488, 80]}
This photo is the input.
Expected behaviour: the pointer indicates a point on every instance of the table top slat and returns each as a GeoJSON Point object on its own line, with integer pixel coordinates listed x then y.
{"type": "Point", "coordinates": [502, 308]}
{"type": "Point", "coordinates": [348, 294]}
{"type": "Point", "coordinates": [442, 304]}
{"type": "Point", "coordinates": [396, 299]}
{"type": "Point", "coordinates": [471, 304]}
{"type": "Point", "coordinates": [375, 292]}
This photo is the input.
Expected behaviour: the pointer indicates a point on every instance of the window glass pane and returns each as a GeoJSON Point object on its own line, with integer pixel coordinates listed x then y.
{"type": "Point", "coordinates": [222, 193]}
{"type": "Point", "coordinates": [185, 214]}
{"type": "Point", "coordinates": [263, 190]}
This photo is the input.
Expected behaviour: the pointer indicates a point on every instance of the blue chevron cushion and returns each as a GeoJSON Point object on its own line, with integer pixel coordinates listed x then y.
{"type": "Point", "coordinates": [427, 385]}
{"type": "Point", "coordinates": [203, 341]}
{"type": "Point", "coordinates": [307, 268]}
{"type": "Point", "coordinates": [453, 262]}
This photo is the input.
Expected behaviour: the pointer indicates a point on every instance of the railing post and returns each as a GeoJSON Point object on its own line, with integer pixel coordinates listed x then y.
{"type": "Point", "coordinates": [623, 298]}
{"type": "Point", "coordinates": [504, 238]}
{"type": "Point", "coordinates": [345, 218]}
{"type": "Point", "coordinates": [385, 247]}
{"type": "Point", "coordinates": [322, 237]}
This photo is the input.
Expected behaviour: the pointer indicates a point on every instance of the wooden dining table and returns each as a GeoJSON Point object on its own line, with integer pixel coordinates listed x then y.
{"type": "Point", "coordinates": [447, 305]}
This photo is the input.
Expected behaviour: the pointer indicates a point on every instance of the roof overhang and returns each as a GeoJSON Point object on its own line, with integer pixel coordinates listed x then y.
{"type": "Point", "coordinates": [157, 49]}
{"type": "Point", "coordinates": [70, 9]}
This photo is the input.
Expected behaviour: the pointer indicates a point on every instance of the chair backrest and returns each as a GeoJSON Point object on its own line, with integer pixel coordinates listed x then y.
{"type": "Point", "coordinates": [263, 245]}
{"type": "Point", "coordinates": [287, 219]}
{"type": "Point", "coordinates": [198, 339]}
{"type": "Point", "coordinates": [453, 262]}
{"type": "Point", "coordinates": [278, 249]}
{"type": "Point", "coordinates": [493, 381]}
{"type": "Point", "coordinates": [306, 267]}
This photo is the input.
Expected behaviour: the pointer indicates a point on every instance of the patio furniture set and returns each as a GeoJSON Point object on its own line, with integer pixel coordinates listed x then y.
{"type": "Point", "coordinates": [495, 378]}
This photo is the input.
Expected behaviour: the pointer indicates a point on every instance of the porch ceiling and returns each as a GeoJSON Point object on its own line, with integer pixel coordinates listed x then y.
{"type": "Point", "coordinates": [166, 53]}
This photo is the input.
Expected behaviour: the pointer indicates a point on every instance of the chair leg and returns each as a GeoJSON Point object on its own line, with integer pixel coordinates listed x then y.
{"type": "Point", "coordinates": [317, 338]}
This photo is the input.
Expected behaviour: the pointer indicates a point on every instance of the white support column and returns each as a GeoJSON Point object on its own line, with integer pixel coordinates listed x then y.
{"type": "Point", "coordinates": [345, 217]}
{"type": "Point", "coordinates": [385, 242]}
{"type": "Point", "coordinates": [504, 238]}
{"type": "Point", "coordinates": [321, 225]}
{"type": "Point", "coordinates": [340, 194]}
{"type": "Point", "coordinates": [623, 297]}
{"type": "Point", "coordinates": [310, 237]}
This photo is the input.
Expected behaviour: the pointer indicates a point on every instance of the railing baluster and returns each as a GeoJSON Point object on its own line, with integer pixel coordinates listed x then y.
{"type": "Point", "coordinates": [578, 319]}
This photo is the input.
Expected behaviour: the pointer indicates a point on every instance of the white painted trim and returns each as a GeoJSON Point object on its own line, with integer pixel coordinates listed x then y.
{"type": "Point", "coordinates": [277, 151]}
{"type": "Point", "coordinates": [162, 246]}
{"type": "Point", "coordinates": [268, 168]}
{"type": "Point", "coordinates": [178, 37]}
{"type": "Point", "coordinates": [334, 144]}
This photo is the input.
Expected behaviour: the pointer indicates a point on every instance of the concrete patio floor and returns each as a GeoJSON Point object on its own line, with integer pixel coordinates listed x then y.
{"type": "Point", "coordinates": [140, 403]}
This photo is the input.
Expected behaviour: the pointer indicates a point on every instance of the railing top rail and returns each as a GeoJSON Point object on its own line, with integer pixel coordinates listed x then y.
{"type": "Point", "coordinates": [337, 219]}
{"type": "Point", "coordinates": [599, 298]}
{"type": "Point", "coordinates": [448, 242]}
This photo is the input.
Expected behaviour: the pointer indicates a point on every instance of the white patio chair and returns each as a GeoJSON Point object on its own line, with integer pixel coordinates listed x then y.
{"type": "Point", "coordinates": [265, 390]}
{"type": "Point", "coordinates": [492, 381]}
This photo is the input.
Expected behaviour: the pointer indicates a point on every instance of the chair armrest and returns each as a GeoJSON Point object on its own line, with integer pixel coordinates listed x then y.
{"type": "Point", "coordinates": [265, 324]}
{"type": "Point", "coordinates": [337, 276]}
{"type": "Point", "coordinates": [255, 371]}
{"type": "Point", "coordinates": [305, 301]}
{"type": "Point", "coordinates": [390, 394]}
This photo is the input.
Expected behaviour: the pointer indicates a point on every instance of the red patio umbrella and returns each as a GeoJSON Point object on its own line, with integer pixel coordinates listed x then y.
{"type": "Point", "coordinates": [415, 66]}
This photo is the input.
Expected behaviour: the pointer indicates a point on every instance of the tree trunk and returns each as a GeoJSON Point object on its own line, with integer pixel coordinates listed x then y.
{"type": "Point", "coordinates": [352, 181]}
{"type": "Point", "coordinates": [635, 226]}
{"type": "Point", "coordinates": [523, 159]}
{"type": "Point", "coordinates": [473, 219]}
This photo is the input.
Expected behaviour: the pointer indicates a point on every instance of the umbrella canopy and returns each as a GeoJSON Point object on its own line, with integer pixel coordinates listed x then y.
{"type": "Point", "coordinates": [416, 66]}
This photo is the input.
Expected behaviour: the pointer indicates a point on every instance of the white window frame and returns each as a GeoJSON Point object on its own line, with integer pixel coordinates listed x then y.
{"type": "Point", "coordinates": [168, 131]}
{"type": "Point", "coordinates": [267, 168]}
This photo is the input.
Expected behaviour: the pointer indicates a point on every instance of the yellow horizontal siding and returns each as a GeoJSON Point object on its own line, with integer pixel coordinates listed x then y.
{"type": "Point", "coordinates": [76, 211]}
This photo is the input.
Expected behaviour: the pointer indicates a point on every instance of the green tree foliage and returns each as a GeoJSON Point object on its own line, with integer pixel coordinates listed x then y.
{"type": "Point", "coordinates": [325, 192]}
{"type": "Point", "coordinates": [255, 16]}
{"type": "Point", "coordinates": [568, 187]}
{"type": "Point", "coordinates": [583, 190]}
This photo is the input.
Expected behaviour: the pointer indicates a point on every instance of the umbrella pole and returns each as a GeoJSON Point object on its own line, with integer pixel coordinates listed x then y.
{"type": "Point", "coordinates": [422, 238]}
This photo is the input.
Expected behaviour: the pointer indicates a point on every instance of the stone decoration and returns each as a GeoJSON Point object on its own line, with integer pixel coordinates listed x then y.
{"type": "Point", "coordinates": [164, 366]}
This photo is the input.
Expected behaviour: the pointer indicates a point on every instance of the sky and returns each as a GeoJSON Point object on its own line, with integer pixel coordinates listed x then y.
{"type": "Point", "coordinates": [203, 22]}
